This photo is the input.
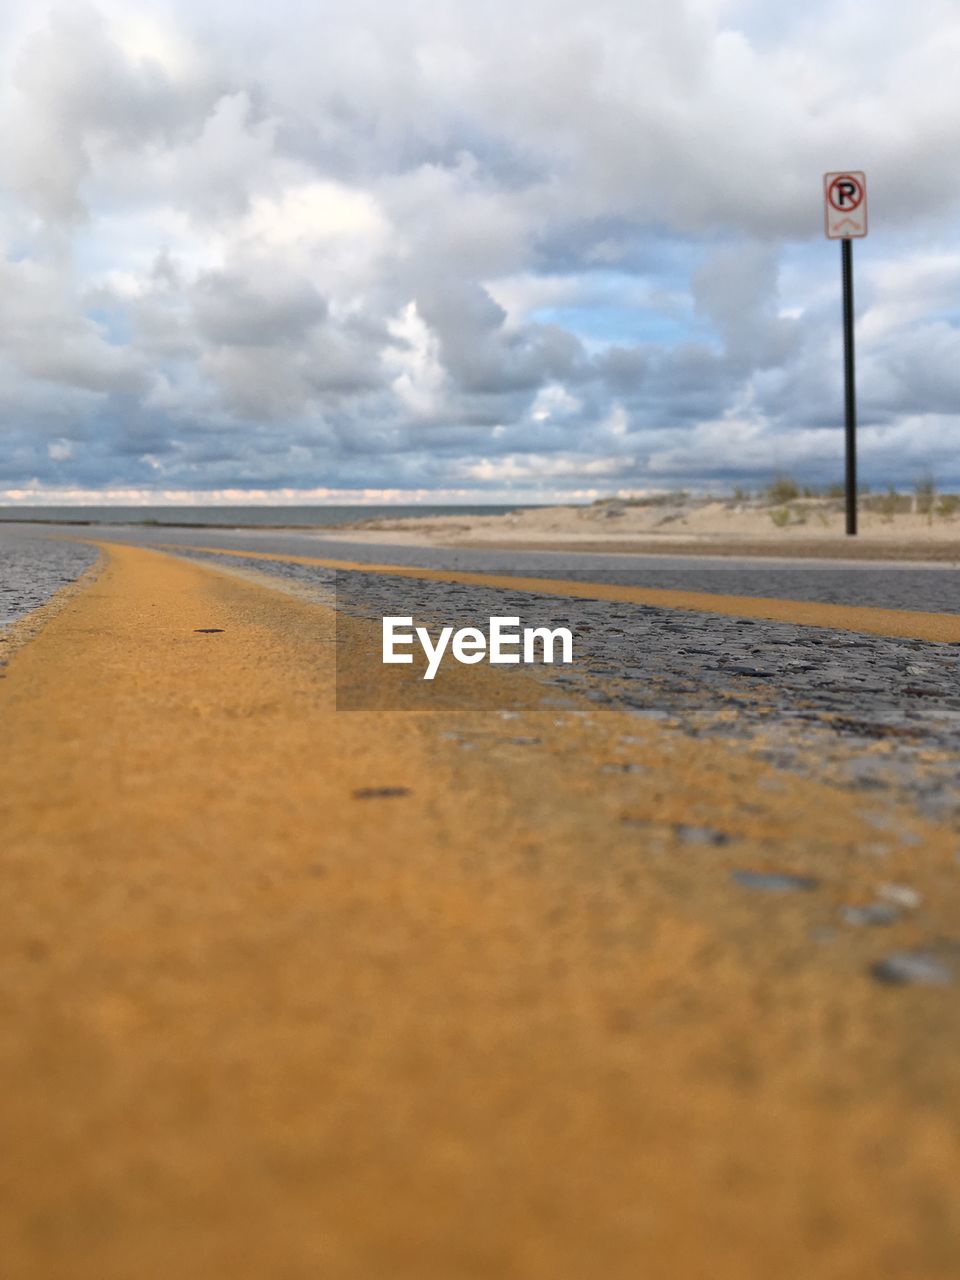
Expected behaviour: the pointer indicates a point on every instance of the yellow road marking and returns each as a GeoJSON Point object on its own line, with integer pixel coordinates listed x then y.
{"type": "Point", "coordinates": [942, 628]}
{"type": "Point", "coordinates": [292, 992]}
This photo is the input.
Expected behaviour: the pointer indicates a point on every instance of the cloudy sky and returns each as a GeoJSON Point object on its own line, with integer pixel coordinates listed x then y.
{"type": "Point", "coordinates": [441, 249]}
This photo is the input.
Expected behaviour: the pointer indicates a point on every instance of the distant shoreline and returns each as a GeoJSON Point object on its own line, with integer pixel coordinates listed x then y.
{"type": "Point", "coordinates": [292, 516]}
{"type": "Point", "coordinates": [87, 522]}
{"type": "Point", "coordinates": [801, 528]}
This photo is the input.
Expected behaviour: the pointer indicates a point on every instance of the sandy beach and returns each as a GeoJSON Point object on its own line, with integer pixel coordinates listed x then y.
{"type": "Point", "coordinates": [809, 528]}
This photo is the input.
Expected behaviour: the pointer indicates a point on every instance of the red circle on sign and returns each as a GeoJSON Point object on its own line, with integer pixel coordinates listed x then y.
{"type": "Point", "coordinates": [855, 201]}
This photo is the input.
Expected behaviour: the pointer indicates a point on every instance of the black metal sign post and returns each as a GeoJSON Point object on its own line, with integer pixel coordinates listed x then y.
{"type": "Point", "coordinates": [845, 217]}
{"type": "Point", "coordinates": [849, 385]}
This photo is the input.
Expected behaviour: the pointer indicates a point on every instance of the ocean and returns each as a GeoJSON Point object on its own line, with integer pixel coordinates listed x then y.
{"type": "Point", "coordinates": [232, 517]}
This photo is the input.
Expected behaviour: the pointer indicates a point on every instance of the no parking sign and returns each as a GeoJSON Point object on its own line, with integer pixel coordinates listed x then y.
{"type": "Point", "coordinates": [845, 205]}
{"type": "Point", "coordinates": [845, 219]}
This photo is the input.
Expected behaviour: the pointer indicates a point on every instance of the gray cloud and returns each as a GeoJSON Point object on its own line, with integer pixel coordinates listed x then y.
{"type": "Point", "coordinates": [536, 248]}
{"type": "Point", "coordinates": [75, 93]}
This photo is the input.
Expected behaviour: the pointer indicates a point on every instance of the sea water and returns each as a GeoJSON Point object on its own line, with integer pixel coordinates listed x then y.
{"type": "Point", "coordinates": [260, 516]}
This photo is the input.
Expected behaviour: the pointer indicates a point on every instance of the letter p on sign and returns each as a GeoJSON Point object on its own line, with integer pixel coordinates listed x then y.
{"type": "Point", "coordinates": [845, 205]}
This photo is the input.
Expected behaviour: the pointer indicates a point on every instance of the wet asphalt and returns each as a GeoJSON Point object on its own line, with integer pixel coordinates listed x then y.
{"type": "Point", "coordinates": [927, 588]}
{"type": "Point", "coordinates": [33, 567]}
{"type": "Point", "coordinates": [872, 712]}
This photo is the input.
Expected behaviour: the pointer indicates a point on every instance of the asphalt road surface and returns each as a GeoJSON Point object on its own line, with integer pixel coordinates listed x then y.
{"type": "Point", "coordinates": [648, 965]}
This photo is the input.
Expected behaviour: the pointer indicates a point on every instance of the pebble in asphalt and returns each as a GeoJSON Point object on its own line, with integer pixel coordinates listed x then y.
{"type": "Point", "coordinates": [774, 881]}
{"type": "Point", "coordinates": [902, 968]}
{"type": "Point", "coordinates": [873, 913]}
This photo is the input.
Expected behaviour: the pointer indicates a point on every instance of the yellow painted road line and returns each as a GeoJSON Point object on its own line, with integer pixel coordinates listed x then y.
{"type": "Point", "coordinates": [292, 992]}
{"type": "Point", "coordinates": [942, 628]}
